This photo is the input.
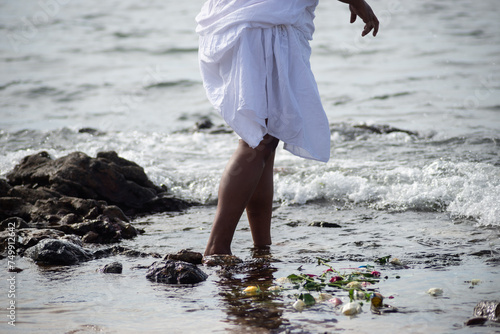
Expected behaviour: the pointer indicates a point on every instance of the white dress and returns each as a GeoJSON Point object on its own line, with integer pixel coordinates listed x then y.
{"type": "Point", "coordinates": [254, 61]}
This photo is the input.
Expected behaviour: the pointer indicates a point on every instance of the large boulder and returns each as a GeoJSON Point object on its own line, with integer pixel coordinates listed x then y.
{"type": "Point", "coordinates": [76, 194]}
{"type": "Point", "coordinates": [175, 272]}
{"type": "Point", "coordinates": [107, 177]}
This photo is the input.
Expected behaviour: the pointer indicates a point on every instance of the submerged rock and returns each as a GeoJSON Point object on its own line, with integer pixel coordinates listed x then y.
{"type": "Point", "coordinates": [59, 252]}
{"type": "Point", "coordinates": [175, 272]}
{"type": "Point", "coordinates": [113, 268]}
{"type": "Point", "coordinates": [119, 250]}
{"type": "Point", "coordinates": [325, 224]}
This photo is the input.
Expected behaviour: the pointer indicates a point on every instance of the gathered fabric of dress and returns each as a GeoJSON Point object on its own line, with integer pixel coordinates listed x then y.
{"type": "Point", "coordinates": [254, 61]}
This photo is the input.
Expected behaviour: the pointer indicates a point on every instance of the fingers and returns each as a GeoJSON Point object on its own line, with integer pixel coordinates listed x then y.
{"type": "Point", "coordinates": [366, 14]}
{"type": "Point", "coordinates": [372, 25]}
{"type": "Point", "coordinates": [353, 14]}
{"type": "Point", "coordinates": [353, 17]}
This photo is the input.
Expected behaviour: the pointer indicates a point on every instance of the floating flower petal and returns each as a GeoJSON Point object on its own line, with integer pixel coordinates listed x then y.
{"type": "Point", "coordinates": [351, 308]}
{"type": "Point", "coordinates": [435, 291]}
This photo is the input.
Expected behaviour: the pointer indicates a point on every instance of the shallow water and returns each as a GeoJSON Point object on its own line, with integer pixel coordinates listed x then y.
{"type": "Point", "coordinates": [79, 299]}
{"type": "Point", "coordinates": [427, 195]}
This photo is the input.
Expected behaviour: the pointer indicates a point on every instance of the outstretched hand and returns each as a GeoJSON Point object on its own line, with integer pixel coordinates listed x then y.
{"type": "Point", "coordinates": [364, 11]}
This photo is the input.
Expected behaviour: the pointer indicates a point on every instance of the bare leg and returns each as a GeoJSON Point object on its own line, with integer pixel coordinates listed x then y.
{"type": "Point", "coordinates": [260, 206]}
{"type": "Point", "coordinates": [238, 183]}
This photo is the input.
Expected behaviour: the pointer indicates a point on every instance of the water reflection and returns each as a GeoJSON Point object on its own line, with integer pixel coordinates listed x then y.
{"type": "Point", "coordinates": [260, 311]}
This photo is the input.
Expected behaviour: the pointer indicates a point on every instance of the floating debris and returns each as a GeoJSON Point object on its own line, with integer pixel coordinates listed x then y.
{"type": "Point", "coordinates": [351, 308]}
{"type": "Point", "coordinates": [252, 290]}
{"type": "Point", "coordinates": [335, 301]}
{"type": "Point", "coordinates": [435, 291]}
{"type": "Point", "coordinates": [299, 305]}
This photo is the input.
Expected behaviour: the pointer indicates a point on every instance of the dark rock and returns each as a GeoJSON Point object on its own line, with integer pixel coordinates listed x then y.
{"type": "Point", "coordinates": [383, 129]}
{"type": "Point", "coordinates": [119, 250]}
{"type": "Point", "coordinates": [31, 195]}
{"type": "Point", "coordinates": [224, 260]}
{"type": "Point", "coordinates": [476, 321]}
{"type": "Point", "coordinates": [69, 219]}
{"type": "Point", "coordinates": [325, 224]}
{"type": "Point", "coordinates": [113, 268]}
{"type": "Point", "coordinates": [15, 223]}
{"type": "Point", "coordinates": [175, 272]}
{"type": "Point", "coordinates": [185, 256]}
{"type": "Point", "coordinates": [91, 237]}
{"type": "Point", "coordinates": [107, 177]}
{"type": "Point", "coordinates": [204, 123]}
{"type": "Point", "coordinates": [77, 194]}
{"type": "Point", "coordinates": [73, 238]}
{"type": "Point", "coordinates": [91, 131]}
{"type": "Point", "coordinates": [26, 237]}
{"type": "Point", "coordinates": [55, 209]}
{"type": "Point", "coordinates": [101, 230]}
{"type": "Point", "coordinates": [488, 309]}
{"type": "Point", "coordinates": [29, 237]}
{"type": "Point", "coordinates": [15, 207]}
{"type": "Point", "coordinates": [4, 188]}
{"type": "Point", "coordinates": [58, 252]}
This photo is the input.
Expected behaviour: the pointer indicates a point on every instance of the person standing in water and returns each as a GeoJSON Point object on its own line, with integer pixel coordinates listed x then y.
{"type": "Point", "coordinates": [254, 62]}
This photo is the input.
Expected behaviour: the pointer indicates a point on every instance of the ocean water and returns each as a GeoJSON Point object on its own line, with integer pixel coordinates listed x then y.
{"type": "Point", "coordinates": [128, 70]}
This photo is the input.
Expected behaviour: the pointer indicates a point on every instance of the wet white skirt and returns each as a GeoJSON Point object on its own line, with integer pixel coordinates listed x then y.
{"type": "Point", "coordinates": [254, 61]}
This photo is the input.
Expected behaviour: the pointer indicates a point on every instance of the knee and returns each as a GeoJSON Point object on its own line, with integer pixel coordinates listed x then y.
{"type": "Point", "coordinates": [268, 145]}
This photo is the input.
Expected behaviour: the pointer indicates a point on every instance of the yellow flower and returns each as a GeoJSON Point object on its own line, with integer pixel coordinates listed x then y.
{"type": "Point", "coordinates": [251, 290]}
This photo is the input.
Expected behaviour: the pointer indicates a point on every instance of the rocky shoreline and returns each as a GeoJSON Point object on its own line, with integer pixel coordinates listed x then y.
{"type": "Point", "coordinates": [57, 206]}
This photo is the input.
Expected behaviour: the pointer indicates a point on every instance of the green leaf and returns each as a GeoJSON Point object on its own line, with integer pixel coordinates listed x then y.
{"type": "Point", "coordinates": [308, 299]}
{"type": "Point", "coordinates": [295, 278]}
{"type": "Point", "coordinates": [383, 260]}
{"type": "Point", "coordinates": [313, 286]}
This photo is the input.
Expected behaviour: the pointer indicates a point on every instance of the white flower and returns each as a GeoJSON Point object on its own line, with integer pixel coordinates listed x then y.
{"type": "Point", "coordinates": [283, 280]}
{"type": "Point", "coordinates": [435, 291]}
{"type": "Point", "coordinates": [359, 294]}
{"type": "Point", "coordinates": [299, 305]}
{"type": "Point", "coordinates": [353, 285]}
{"type": "Point", "coordinates": [351, 308]}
